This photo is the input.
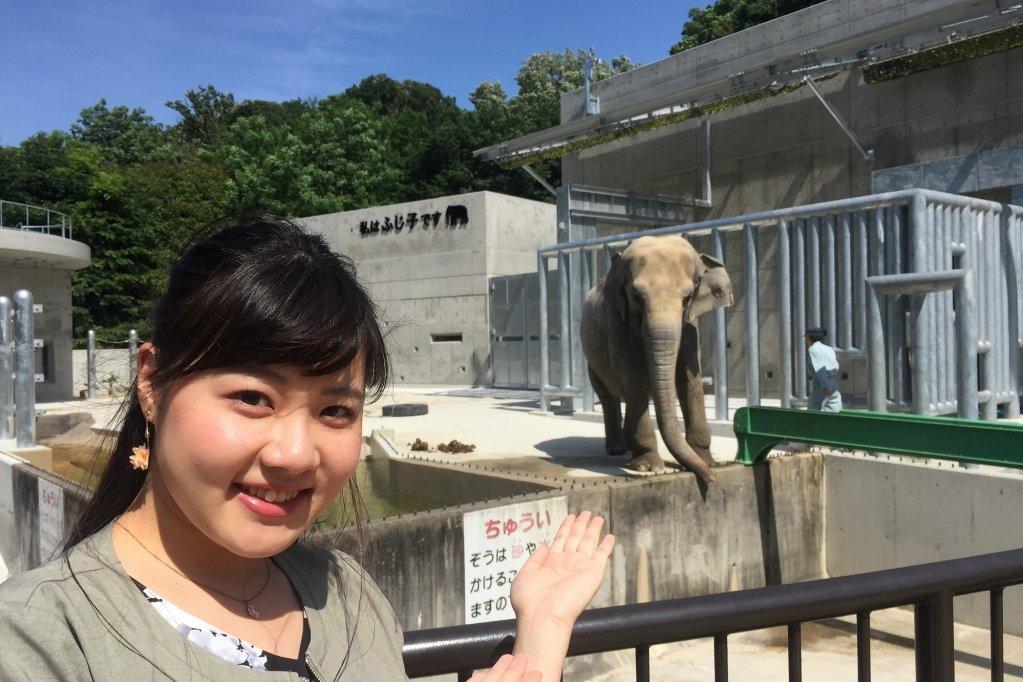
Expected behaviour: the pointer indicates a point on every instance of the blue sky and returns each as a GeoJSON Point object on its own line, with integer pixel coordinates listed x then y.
{"type": "Point", "coordinates": [63, 55]}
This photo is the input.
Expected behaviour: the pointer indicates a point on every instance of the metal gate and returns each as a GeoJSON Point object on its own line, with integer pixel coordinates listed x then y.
{"type": "Point", "coordinates": [515, 329]}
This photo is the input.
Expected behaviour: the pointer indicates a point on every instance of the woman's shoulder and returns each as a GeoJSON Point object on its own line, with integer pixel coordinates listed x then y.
{"type": "Point", "coordinates": [47, 586]}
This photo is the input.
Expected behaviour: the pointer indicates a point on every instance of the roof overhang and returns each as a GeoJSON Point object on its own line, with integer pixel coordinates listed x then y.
{"type": "Point", "coordinates": [760, 61]}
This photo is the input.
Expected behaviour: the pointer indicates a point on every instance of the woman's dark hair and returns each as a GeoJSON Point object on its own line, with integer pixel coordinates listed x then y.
{"type": "Point", "coordinates": [260, 290]}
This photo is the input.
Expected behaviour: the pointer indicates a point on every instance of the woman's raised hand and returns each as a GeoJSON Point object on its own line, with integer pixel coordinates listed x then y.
{"type": "Point", "coordinates": [553, 588]}
{"type": "Point", "coordinates": [558, 582]}
{"type": "Point", "coordinates": [507, 669]}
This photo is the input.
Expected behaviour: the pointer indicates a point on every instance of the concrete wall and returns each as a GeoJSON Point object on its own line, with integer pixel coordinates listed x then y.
{"type": "Point", "coordinates": [885, 513]}
{"type": "Point", "coordinates": [109, 361]}
{"type": "Point", "coordinates": [51, 288]}
{"type": "Point", "coordinates": [434, 280]}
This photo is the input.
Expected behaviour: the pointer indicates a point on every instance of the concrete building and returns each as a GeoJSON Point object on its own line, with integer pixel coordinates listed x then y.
{"type": "Point", "coordinates": [842, 99]}
{"type": "Point", "coordinates": [37, 253]}
{"type": "Point", "coordinates": [428, 265]}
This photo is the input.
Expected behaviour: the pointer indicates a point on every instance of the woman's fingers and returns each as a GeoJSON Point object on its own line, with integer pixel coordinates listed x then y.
{"type": "Point", "coordinates": [515, 671]}
{"type": "Point", "coordinates": [558, 545]}
{"type": "Point", "coordinates": [591, 536]}
{"type": "Point", "coordinates": [605, 547]}
{"type": "Point", "coordinates": [575, 536]}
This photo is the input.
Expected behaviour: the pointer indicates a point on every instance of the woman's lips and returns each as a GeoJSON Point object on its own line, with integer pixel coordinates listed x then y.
{"type": "Point", "coordinates": [273, 510]}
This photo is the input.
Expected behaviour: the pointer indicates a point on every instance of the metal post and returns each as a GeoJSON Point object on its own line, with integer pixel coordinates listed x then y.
{"type": "Point", "coordinates": [544, 333]}
{"type": "Point", "coordinates": [997, 640]}
{"type": "Point", "coordinates": [643, 664]}
{"type": "Point", "coordinates": [919, 346]}
{"type": "Point", "coordinates": [24, 370]}
{"type": "Point", "coordinates": [785, 316]}
{"type": "Point", "coordinates": [877, 391]}
{"type": "Point", "coordinates": [752, 318]}
{"type": "Point", "coordinates": [799, 292]}
{"type": "Point", "coordinates": [1010, 266]}
{"type": "Point", "coordinates": [720, 343]}
{"type": "Point", "coordinates": [90, 364]}
{"type": "Point", "coordinates": [859, 280]}
{"type": "Point", "coordinates": [844, 336]}
{"type": "Point", "coordinates": [721, 658]}
{"type": "Point", "coordinates": [705, 134]}
{"type": "Point", "coordinates": [966, 343]}
{"type": "Point", "coordinates": [133, 354]}
{"type": "Point", "coordinates": [813, 272]}
{"type": "Point", "coordinates": [577, 276]}
{"type": "Point", "coordinates": [987, 337]}
{"type": "Point", "coordinates": [6, 370]}
{"type": "Point", "coordinates": [795, 653]}
{"type": "Point", "coordinates": [934, 640]}
{"type": "Point", "coordinates": [585, 282]}
{"type": "Point", "coordinates": [564, 338]}
{"type": "Point", "coordinates": [863, 647]}
{"type": "Point", "coordinates": [829, 280]}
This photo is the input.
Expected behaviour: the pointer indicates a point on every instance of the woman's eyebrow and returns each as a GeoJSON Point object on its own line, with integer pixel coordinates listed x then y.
{"type": "Point", "coordinates": [337, 391]}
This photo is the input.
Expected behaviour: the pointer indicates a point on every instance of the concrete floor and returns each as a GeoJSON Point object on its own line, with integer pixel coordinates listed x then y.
{"type": "Point", "coordinates": [829, 653]}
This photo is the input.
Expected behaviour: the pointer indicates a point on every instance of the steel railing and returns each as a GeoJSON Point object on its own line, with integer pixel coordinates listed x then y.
{"type": "Point", "coordinates": [18, 216]}
{"type": "Point", "coordinates": [927, 587]}
{"type": "Point", "coordinates": [835, 265]}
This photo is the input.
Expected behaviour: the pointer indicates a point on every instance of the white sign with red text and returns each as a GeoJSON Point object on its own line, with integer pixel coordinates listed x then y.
{"type": "Point", "coordinates": [497, 543]}
{"type": "Point", "coordinates": [51, 519]}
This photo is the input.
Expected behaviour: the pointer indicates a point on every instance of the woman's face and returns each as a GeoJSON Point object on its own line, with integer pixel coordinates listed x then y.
{"type": "Point", "coordinates": [251, 456]}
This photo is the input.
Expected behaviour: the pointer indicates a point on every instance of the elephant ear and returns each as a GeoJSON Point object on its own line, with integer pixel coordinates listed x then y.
{"type": "Point", "coordinates": [715, 288]}
{"type": "Point", "coordinates": [614, 287]}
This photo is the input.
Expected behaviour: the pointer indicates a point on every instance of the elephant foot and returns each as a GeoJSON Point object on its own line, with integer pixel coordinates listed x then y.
{"type": "Point", "coordinates": [616, 451]}
{"type": "Point", "coordinates": [646, 463]}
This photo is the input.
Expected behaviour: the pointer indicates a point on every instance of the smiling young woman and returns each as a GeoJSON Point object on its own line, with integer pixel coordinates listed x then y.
{"type": "Point", "coordinates": [244, 424]}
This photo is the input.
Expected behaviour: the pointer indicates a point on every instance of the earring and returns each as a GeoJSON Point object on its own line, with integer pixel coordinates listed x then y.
{"type": "Point", "coordinates": [140, 457]}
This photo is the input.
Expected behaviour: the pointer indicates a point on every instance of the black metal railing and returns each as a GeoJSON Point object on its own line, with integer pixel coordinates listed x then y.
{"type": "Point", "coordinates": [928, 587]}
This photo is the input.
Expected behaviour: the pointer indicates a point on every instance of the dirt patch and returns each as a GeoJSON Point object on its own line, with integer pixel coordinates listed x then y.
{"type": "Point", "coordinates": [453, 446]}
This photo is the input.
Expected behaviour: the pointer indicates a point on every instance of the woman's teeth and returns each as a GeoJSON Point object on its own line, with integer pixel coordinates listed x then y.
{"type": "Point", "coordinates": [271, 495]}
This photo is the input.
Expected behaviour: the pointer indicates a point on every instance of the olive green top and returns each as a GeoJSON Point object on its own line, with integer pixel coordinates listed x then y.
{"type": "Point", "coordinates": [80, 617]}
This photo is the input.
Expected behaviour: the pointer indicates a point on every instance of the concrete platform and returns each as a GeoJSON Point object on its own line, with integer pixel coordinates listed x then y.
{"type": "Point", "coordinates": [510, 433]}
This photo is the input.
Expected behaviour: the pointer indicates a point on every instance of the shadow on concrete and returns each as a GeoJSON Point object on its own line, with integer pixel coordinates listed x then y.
{"type": "Point", "coordinates": [768, 526]}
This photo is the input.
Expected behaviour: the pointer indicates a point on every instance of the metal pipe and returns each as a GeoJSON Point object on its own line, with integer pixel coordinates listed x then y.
{"type": "Point", "coordinates": [1010, 269]}
{"type": "Point", "coordinates": [966, 341]}
{"type": "Point", "coordinates": [705, 134]}
{"type": "Point", "coordinates": [721, 658]}
{"type": "Point", "coordinates": [642, 664]}
{"type": "Point", "coordinates": [6, 370]}
{"type": "Point", "coordinates": [752, 318]}
{"type": "Point", "coordinates": [996, 628]}
{"type": "Point", "coordinates": [544, 334]}
{"type": "Point", "coordinates": [563, 314]}
{"type": "Point", "coordinates": [918, 347]}
{"type": "Point", "coordinates": [934, 639]}
{"type": "Point", "coordinates": [987, 337]}
{"type": "Point", "coordinates": [877, 391]}
{"type": "Point", "coordinates": [24, 370]}
{"type": "Point", "coordinates": [585, 282]}
{"type": "Point", "coordinates": [828, 279]}
{"type": "Point", "coordinates": [859, 280]}
{"type": "Point", "coordinates": [785, 316]}
{"type": "Point", "coordinates": [720, 343]}
{"type": "Point", "coordinates": [844, 335]}
{"type": "Point", "coordinates": [799, 292]}
{"type": "Point", "coordinates": [863, 647]}
{"type": "Point", "coordinates": [90, 363]}
{"type": "Point", "coordinates": [813, 271]}
{"type": "Point", "coordinates": [795, 653]}
{"type": "Point", "coordinates": [936, 334]}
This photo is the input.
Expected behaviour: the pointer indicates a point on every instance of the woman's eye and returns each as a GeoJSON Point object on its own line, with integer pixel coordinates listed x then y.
{"type": "Point", "coordinates": [338, 412]}
{"type": "Point", "coordinates": [252, 398]}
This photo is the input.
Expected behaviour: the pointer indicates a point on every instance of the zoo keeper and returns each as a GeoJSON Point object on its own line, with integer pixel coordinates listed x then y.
{"type": "Point", "coordinates": [822, 370]}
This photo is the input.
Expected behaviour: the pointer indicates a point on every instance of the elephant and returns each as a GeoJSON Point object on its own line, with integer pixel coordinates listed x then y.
{"type": "Point", "coordinates": [641, 341]}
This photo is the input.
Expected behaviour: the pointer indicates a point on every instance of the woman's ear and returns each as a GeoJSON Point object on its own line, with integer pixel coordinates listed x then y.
{"type": "Point", "coordinates": [144, 383]}
{"type": "Point", "coordinates": [614, 287]}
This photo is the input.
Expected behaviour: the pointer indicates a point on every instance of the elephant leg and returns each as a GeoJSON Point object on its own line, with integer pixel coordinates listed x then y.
{"type": "Point", "coordinates": [641, 437]}
{"type": "Point", "coordinates": [614, 437]}
{"type": "Point", "coordinates": [689, 385]}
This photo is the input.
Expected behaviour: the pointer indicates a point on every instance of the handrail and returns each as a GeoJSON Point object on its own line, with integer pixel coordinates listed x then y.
{"type": "Point", "coordinates": [758, 429]}
{"type": "Point", "coordinates": [64, 221]}
{"type": "Point", "coordinates": [736, 222]}
{"type": "Point", "coordinates": [461, 648]}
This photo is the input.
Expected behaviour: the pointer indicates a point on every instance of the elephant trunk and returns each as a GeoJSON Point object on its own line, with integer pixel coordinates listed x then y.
{"type": "Point", "coordinates": [663, 354]}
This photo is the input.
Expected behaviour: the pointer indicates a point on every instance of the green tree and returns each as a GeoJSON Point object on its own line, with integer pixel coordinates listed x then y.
{"type": "Point", "coordinates": [124, 135]}
{"type": "Point", "coordinates": [205, 113]}
{"type": "Point", "coordinates": [725, 17]}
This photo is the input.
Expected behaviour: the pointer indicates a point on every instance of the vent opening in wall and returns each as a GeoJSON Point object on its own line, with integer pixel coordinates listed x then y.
{"type": "Point", "coordinates": [446, 338]}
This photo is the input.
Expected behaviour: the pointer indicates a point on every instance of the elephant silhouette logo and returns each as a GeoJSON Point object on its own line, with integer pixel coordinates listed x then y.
{"type": "Point", "coordinates": [456, 216]}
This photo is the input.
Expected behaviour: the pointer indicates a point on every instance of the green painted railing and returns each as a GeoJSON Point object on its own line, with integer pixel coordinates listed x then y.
{"type": "Point", "coordinates": [759, 429]}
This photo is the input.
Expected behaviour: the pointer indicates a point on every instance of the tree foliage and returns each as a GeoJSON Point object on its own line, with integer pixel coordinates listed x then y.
{"type": "Point", "coordinates": [139, 190]}
{"type": "Point", "coordinates": [725, 17]}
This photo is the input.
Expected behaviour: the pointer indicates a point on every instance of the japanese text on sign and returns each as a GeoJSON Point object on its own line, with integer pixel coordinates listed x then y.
{"type": "Point", "coordinates": [51, 518]}
{"type": "Point", "coordinates": [454, 217]}
{"type": "Point", "coordinates": [497, 543]}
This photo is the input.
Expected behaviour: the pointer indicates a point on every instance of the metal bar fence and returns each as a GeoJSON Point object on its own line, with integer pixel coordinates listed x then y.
{"type": "Point", "coordinates": [927, 587]}
{"type": "Point", "coordinates": [18, 216]}
{"type": "Point", "coordinates": [830, 249]}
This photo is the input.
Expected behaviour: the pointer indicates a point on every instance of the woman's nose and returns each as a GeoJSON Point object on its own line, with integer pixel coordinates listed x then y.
{"type": "Point", "coordinates": [292, 447]}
